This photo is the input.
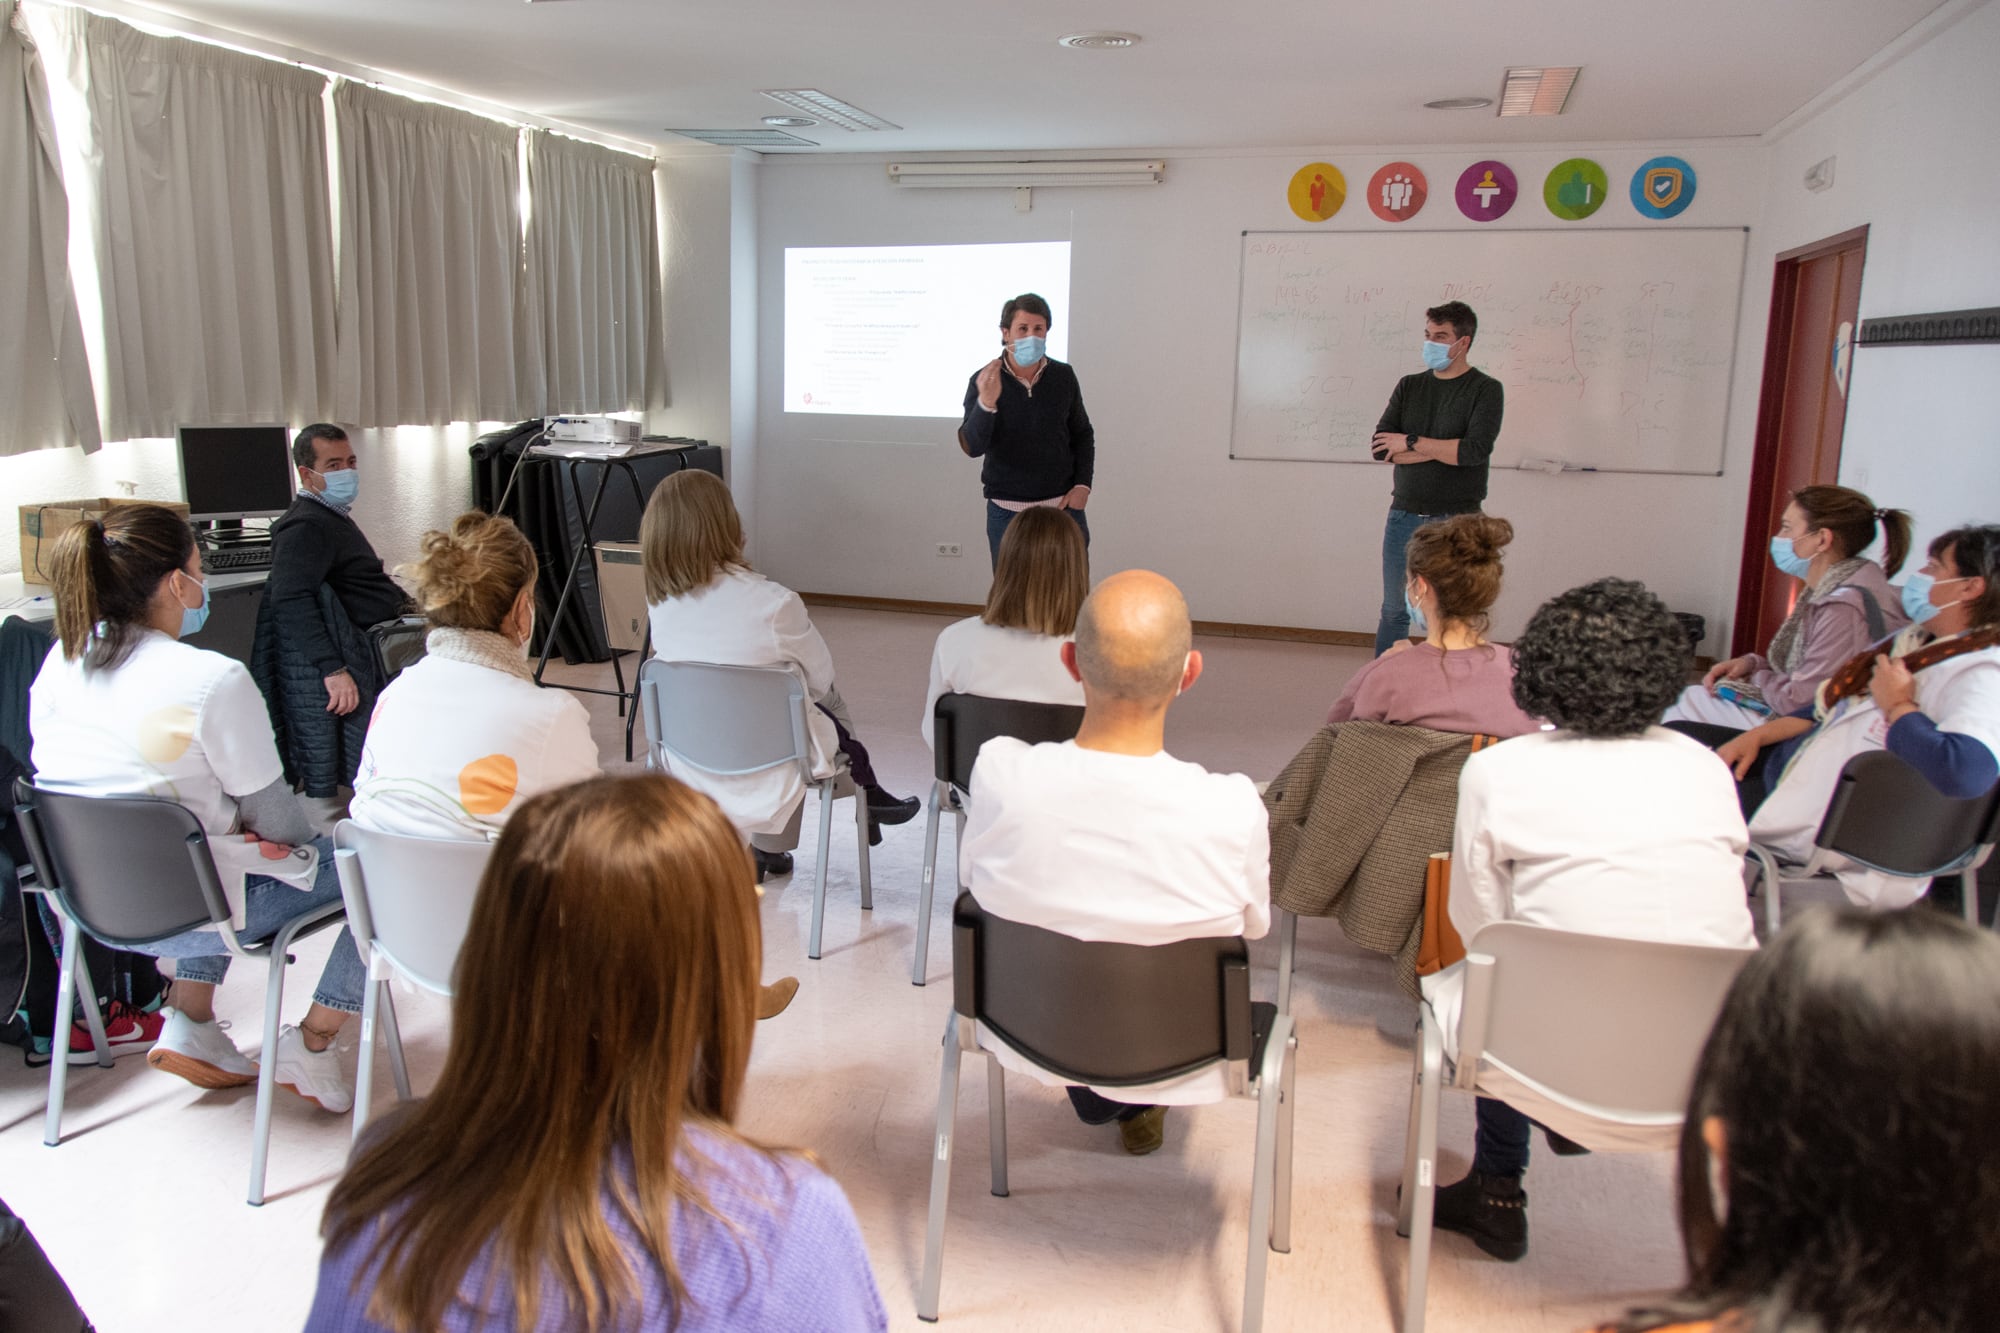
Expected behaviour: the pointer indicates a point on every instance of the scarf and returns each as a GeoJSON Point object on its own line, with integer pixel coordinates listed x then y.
{"type": "Point", "coordinates": [1852, 678]}
{"type": "Point", "coordinates": [480, 647]}
{"type": "Point", "coordinates": [1788, 644]}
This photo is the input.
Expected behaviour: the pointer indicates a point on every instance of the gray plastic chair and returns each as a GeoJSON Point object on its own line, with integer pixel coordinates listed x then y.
{"type": "Point", "coordinates": [1607, 1029]}
{"type": "Point", "coordinates": [409, 901]}
{"type": "Point", "coordinates": [960, 724]}
{"type": "Point", "coordinates": [732, 720]}
{"type": "Point", "coordinates": [1886, 816]}
{"type": "Point", "coordinates": [398, 644]}
{"type": "Point", "coordinates": [133, 870]}
{"type": "Point", "coordinates": [1115, 1015]}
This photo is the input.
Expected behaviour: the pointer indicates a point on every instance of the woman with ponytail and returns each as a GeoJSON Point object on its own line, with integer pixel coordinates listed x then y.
{"type": "Point", "coordinates": [123, 708]}
{"type": "Point", "coordinates": [1454, 680]}
{"type": "Point", "coordinates": [1844, 605]}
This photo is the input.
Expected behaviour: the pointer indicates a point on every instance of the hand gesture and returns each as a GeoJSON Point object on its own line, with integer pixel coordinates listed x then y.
{"type": "Point", "coordinates": [343, 696]}
{"type": "Point", "coordinates": [1891, 685]}
{"type": "Point", "coordinates": [988, 382]}
{"type": "Point", "coordinates": [1734, 668]}
{"type": "Point", "coordinates": [1739, 752]}
{"type": "Point", "coordinates": [1075, 498]}
{"type": "Point", "coordinates": [1386, 442]}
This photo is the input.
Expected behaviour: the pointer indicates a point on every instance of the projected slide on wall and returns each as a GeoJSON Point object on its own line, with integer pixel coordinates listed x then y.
{"type": "Point", "coordinates": [895, 331]}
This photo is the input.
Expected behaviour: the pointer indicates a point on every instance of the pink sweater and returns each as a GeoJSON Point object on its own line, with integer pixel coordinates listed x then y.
{"type": "Point", "coordinates": [1468, 689]}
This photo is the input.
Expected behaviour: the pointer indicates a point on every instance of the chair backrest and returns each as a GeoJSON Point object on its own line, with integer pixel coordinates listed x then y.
{"type": "Point", "coordinates": [1615, 1025]}
{"type": "Point", "coordinates": [1887, 816]}
{"type": "Point", "coordinates": [1106, 1014]}
{"type": "Point", "coordinates": [410, 897]}
{"type": "Point", "coordinates": [961, 723]}
{"type": "Point", "coordinates": [129, 869]}
{"type": "Point", "coordinates": [726, 720]}
{"type": "Point", "coordinates": [398, 644]}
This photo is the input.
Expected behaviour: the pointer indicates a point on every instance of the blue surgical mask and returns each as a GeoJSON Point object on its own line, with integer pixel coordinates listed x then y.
{"type": "Point", "coordinates": [341, 487]}
{"type": "Point", "coordinates": [1787, 559]}
{"type": "Point", "coordinates": [1417, 625]}
{"type": "Point", "coordinates": [1027, 351]}
{"type": "Point", "coordinates": [1917, 595]}
{"type": "Point", "coordinates": [1436, 355]}
{"type": "Point", "coordinates": [194, 617]}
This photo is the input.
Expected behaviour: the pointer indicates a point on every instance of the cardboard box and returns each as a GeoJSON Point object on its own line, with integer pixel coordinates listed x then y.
{"type": "Point", "coordinates": [621, 587]}
{"type": "Point", "coordinates": [42, 523]}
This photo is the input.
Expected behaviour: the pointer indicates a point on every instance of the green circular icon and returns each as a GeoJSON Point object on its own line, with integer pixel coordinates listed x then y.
{"type": "Point", "coordinates": [1576, 189]}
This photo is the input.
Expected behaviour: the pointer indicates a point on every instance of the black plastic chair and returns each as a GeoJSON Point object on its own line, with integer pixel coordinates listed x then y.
{"type": "Point", "coordinates": [960, 724]}
{"type": "Point", "coordinates": [133, 870]}
{"type": "Point", "coordinates": [1115, 1015]}
{"type": "Point", "coordinates": [1886, 816]}
{"type": "Point", "coordinates": [397, 644]}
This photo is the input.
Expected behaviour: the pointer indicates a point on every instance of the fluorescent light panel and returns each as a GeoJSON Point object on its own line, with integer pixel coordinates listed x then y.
{"type": "Point", "coordinates": [746, 138]}
{"type": "Point", "coordinates": [1537, 90]}
{"type": "Point", "coordinates": [822, 106]}
{"type": "Point", "coordinates": [1013, 175]}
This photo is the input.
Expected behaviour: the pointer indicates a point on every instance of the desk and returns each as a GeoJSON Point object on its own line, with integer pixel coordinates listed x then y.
{"type": "Point", "coordinates": [233, 598]}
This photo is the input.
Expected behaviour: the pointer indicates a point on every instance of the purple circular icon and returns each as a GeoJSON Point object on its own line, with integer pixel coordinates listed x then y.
{"type": "Point", "coordinates": [1486, 190]}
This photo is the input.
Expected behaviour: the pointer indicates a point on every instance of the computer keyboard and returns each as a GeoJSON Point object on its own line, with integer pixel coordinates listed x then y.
{"type": "Point", "coordinates": [235, 559]}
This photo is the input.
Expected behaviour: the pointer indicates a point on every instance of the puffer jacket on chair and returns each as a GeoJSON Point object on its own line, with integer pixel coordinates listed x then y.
{"type": "Point", "coordinates": [321, 751]}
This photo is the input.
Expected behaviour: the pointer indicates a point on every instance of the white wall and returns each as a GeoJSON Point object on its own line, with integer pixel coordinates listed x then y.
{"type": "Point", "coordinates": [857, 505]}
{"type": "Point", "coordinates": [1917, 161]}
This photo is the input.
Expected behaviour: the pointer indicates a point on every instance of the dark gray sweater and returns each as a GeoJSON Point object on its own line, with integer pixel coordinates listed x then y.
{"type": "Point", "coordinates": [1038, 443]}
{"type": "Point", "coordinates": [1466, 408]}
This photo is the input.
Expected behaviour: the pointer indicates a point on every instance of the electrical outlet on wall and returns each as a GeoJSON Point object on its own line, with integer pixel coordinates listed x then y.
{"type": "Point", "coordinates": [949, 548]}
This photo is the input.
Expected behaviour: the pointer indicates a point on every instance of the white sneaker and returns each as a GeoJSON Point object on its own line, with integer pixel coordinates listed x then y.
{"type": "Point", "coordinates": [316, 1076]}
{"type": "Point", "coordinates": [201, 1053]}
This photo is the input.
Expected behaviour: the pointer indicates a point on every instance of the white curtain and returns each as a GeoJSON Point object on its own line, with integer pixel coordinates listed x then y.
{"type": "Point", "coordinates": [212, 232]}
{"type": "Point", "coordinates": [46, 401]}
{"type": "Point", "coordinates": [592, 341]}
{"type": "Point", "coordinates": [430, 262]}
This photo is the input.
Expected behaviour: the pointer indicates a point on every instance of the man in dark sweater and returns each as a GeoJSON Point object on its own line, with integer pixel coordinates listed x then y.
{"type": "Point", "coordinates": [1024, 415]}
{"type": "Point", "coordinates": [1438, 430]}
{"type": "Point", "coordinates": [315, 543]}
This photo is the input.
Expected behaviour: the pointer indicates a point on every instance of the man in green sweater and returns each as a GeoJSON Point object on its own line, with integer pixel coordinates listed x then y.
{"type": "Point", "coordinates": [1438, 431]}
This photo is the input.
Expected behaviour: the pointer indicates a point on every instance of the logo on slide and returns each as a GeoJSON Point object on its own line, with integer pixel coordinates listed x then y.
{"type": "Point", "coordinates": [1396, 192]}
{"type": "Point", "coordinates": [1317, 191]}
{"type": "Point", "coordinates": [1663, 188]}
{"type": "Point", "coordinates": [1486, 190]}
{"type": "Point", "coordinates": [1575, 189]}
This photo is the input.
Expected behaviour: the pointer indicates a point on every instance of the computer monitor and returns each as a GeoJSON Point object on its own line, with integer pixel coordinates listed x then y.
{"type": "Point", "coordinates": [236, 472]}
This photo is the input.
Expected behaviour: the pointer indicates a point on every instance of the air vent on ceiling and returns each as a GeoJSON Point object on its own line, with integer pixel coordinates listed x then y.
{"type": "Point", "coordinates": [832, 110]}
{"type": "Point", "coordinates": [1099, 41]}
{"type": "Point", "coordinates": [1537, 90]}
{"type": "Point", "coordinates": [746, 138]}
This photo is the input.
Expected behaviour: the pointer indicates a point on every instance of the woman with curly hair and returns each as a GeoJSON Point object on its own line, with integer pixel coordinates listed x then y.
{"type": "Point", "coordinates": [1608, 825]}
{"type": "Point", "coordinates": [1838, 1171]}
{"type": "Point", "coordinates": [1454, 680]}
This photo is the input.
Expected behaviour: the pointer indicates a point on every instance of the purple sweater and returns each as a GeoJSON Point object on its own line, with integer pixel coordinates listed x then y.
{"type": "Point", "coordinates": [796, 1261]}
{"type": "Point", "coordinates": [1468, 690]}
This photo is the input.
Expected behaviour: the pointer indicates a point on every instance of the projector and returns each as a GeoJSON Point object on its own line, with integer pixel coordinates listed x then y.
{"type": "Point", "coordinates": [593, 430]}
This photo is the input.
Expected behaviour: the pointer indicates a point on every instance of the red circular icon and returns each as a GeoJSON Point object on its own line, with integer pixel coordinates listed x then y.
{"type": "Point", "coordinates": [1396, 192]}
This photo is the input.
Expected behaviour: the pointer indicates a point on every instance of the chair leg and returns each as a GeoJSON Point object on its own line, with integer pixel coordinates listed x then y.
{"type": "Point", "coordinates": [923, 951]}
{"type": "Point", "coordinates": [861, 844]}
{"type": "Point", "coordinates": [996, 1124]}
{"type": "Point", "coordinates": [1968, 896]}
{"type": "Point", "coordinates": [1419, 1192]}
{"type": "Point", "coordinates": [364, 1064]}
{"type": "Point", "coordinates": [819, 881]}
{"type": "Point", "coordinates": [399, 1070]}
{"type": "Point", "coordinates": [267, 1066]}
{"type": "Point", "coordinates": [1263, 1181]}
{"type": "Point", "coordinates": [67, 982]}
{"type": "Point", "coordinates": [1288, 944]}
{"type": "Point", "coordinates": [1281, 1209]}
{"type": "Point", "coordinates": [947, 1108]}
{"type": "Point", "coordinates": [1767, 882]}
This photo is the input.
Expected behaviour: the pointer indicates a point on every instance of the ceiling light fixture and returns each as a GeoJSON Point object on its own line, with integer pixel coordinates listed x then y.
{"type": "Point", "coordinates": [829, 109]}
{"type": "Point", "coordinates": [1459, 104]}
{"type": "Point", "coordinates": [1537, 90]}
{"type": "Point", "coordinates": [1099, 41]}
{"type": "Point", "coordinates": [745, 138]}
{"type": "Point", "coordinates": [1017, 175]}
{"type": "Point", "coordinates": [790, 122]}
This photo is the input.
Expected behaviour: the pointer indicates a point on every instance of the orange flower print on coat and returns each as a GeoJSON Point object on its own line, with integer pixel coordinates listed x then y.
{"type": "Point", "coordinates": [487, 784]}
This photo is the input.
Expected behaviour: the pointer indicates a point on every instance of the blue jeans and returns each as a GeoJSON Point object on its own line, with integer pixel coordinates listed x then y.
{"type": "Point", "coordinates": [1396, 533]}
{"type": "Point", "coordinates": [997, 520]}
{"type": "Point", "coordinates": [268, 904]}
{"type": "Point", "coordinates": [1500, 1140]}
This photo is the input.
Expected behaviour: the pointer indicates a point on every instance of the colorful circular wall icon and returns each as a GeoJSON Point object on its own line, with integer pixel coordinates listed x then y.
{"type": "Point", "coordinates": [1317, 191]}
{"type": "Point", "coordinates": [1663, 188]}
{"type": "Point", "coordinates": [1575, 189]}
{"type": "Point", "coordinates": [1396, 192]}
{"type": "Point", "coordinates": [1486, 190]}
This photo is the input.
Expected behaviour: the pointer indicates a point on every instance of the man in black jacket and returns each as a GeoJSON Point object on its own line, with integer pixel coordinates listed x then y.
{"type": "Point", "coordinates": [1024, 415]}
{"type": "Point", "coordinates": [317, 542]}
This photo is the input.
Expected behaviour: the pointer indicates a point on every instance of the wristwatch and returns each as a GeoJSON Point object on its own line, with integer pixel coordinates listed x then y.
{"type": "Point", "coordinates": [1410, 442]}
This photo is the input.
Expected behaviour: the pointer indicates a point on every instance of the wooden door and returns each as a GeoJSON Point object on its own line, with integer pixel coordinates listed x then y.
{"type": "Point", "coordinates": [1815, 304]}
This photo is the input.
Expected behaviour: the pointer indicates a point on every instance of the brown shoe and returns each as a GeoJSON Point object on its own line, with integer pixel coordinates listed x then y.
{"type": "Point", "coordinates": [1145, 1132]}
{"type": "Point", "coordinates": [772, 999]}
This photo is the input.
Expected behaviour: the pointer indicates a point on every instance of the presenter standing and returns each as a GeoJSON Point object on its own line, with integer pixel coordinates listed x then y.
{"type": "Point", "coordinates": [1438, 430]}
{"type": "Point", "coordinates": [1024, 415]}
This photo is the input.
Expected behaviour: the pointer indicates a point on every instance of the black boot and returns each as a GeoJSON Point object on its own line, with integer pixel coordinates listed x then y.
{"type": "Point", "coordinates": [886, 809]}
{"type": "Point", "coordinates": [1492, 1210]}
{"type": "Point", "coordinates": [771, 863]}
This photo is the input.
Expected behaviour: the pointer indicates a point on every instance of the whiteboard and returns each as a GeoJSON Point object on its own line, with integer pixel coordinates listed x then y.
{"type": "Point", "coordinates": [1615, 346]}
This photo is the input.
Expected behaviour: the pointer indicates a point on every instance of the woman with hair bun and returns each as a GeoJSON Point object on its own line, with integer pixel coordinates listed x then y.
{"type": "Point", "coordinates": [1846, 604]}
{"type": "Point", "coordinates": [1454, 680]}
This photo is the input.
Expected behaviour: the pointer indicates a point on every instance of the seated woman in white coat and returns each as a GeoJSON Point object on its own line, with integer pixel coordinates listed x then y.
{"type": "Point", "coordinates": [1013, 649]}
{"type": "Point", "coordinates": [465, 736]}
{"type": "Point", "coordinates": [1931, 696]}
{"type": "Point", "coordinates": [706, 604]}
{"type": "Point", "coordinates": [1608, 825]}
{"type": "Point", "coordinates": [1846, 604]}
